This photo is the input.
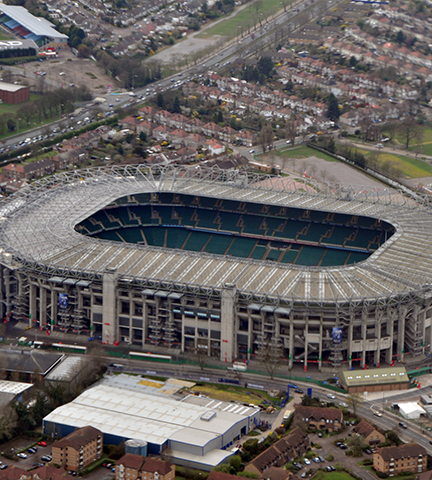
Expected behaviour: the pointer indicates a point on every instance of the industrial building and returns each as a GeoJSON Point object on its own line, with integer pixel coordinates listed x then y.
{"type": "Point", "coordinates": [10, 93]}
{"type": "Point", "coordinates": [180, 258]}
{"type": "Point", "coordinates": [191, 430]}
{"type": "Point", "coordinates": [374, 380]}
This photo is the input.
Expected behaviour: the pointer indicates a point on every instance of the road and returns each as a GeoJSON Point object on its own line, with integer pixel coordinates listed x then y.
{"type": "Point", "coordinates": [387, 421]}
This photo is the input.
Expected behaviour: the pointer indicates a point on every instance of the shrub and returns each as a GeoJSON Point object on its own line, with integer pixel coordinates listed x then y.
{"type": "Point", "coordinates": [367, 461]}
{"type": "Point", "coordinates": [329, 458]}
{"type": "Point", "coordinates": [381, 475]}
{"type": "Point", "coordinates": [349, 453]}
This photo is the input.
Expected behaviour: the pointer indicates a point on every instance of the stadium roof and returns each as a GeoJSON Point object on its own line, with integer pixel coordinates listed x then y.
{"type": "Point", "coordinates": [37, 25]}
{"type": "Point", "coordinates": [37, 230]}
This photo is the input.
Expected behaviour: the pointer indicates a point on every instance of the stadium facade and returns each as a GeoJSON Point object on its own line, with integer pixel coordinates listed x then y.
{"type": "Point", "coordinates": [235, 263]}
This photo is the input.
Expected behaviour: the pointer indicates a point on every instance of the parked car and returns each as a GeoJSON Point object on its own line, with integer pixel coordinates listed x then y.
{"type": "Point", "coordinates": [46, 458]}
{"type": "Point", "coordinates": [307, 461]}
{"type": "Point", "coordinates": [31, 450]}
{"type": "Point", "coordinates": [21, 455]}
{"type": "Point", "coordinates": [321, 459]}
{"type": "Point", "coordinates": [320, 434]}
{"type": "Point", "coordinates": [316, 460]}
{"type": "Point", "coordinates": [343, 447]}
{"type": "Point", "coordinates": [343, 404]}
{"type": "Point", "coordinates": [42, 444]}
{"type": "Point", "coordinates": [4, 466]}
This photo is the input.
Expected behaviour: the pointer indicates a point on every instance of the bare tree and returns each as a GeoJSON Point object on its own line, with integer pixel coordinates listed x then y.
{"type": "Point", "coordinates": [201, 356]}
{"type": "Point", "coordinates": [269, 354]}
{"type": "Point", "coordinates": [355, 400]}
{"type": "Point", "coordinates": [410, 130]}
{"type": "Point", "coordinates": [291, 130]}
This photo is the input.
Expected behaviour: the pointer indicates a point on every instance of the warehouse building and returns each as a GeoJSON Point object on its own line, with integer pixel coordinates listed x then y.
{"type": "Point", "coordinates": [193, 431]}
{"type": "Point", "coordinates": [375, 380]}
{"type": "Point", "coordinates": [13, 94]}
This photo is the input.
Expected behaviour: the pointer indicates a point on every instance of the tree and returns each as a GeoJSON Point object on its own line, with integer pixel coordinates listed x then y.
{"type": "Point", "coordinates": [291, 130]}
{"type": "Point", "coordinates": [201, 356]}
{"type": "Point", "coordinates": [265, 138]}
{"type": "Point", "coordinates": [357, 444]}
{"type": "Point", "coordinates": [333, 112]}
{"type": "Point", "coordinates": [410, 130]}
{"type": "Point", "coordinates": [176, 105]}
{"type": "Point", "coordinates": [160, 100]}
{"type": "Point", "coordinates": [269, 354]}
{"type": "Point", "coordinates": [354, 401]}
{"type": "Point", "coordinates": [265, 66]}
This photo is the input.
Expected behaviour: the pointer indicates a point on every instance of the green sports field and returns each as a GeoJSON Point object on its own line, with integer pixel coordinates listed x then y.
{"type": "Point", "coordinates": [230, 27]}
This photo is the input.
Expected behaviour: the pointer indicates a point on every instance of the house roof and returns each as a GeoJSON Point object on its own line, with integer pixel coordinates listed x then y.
{"type": "Point", "coordinates": [153, 465]}
{"type": "Point", "coordinates": [221, 476]}
{"type": "Point", "coordinates": [275, 473]}
{"type": "Point", "coordinates": [12, 473]}
{"type": "Point", "coordinates": [318, 413]}
{"type": "Point", "coordinates": [402, 451]}
{"type": "Point", "coordinates": [376, 376]}
{"type": "Point", "coordinates": [131, 461]}
{"type": "Point", "coordinates": [364, 428]}
{"type": "Point", "coordinates": [79, 438]}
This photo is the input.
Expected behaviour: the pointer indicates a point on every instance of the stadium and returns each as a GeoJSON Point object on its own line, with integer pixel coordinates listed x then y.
{"type": "Point", "coordinates": [174, 259]}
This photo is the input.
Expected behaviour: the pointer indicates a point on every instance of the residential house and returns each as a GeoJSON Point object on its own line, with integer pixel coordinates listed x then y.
{"type": "Point", "coordinates": [161, 133]}
{"type": "Point", "coordinates": [320, 418]}
{"type": "Point", "coordinates": [80, 448]}
{"type": "Point", "coordinates": [211, 129]}
{"type": "Point", "coordinates": [28, 171]}
{"type": "Point", "coordinates": [227, 134]}
{"type": "Point", "coordinates": [187, 154]}
{"type": "Point", "coordinates": [74, 156]}
{"type": "Point", "coordinates": [371, 435]}
{"type": "Point", "coordinates": [293, 445]}
{"type": "Point", "coordinates": [136, 467]}
{"type": "Point", "coordinates": [129, 122]}
{"type": "Point", "coordinates": [246, 138]}
{"type": "Point", "coordinates": [215, 147]}
{"type": "Point", "coordinates": [409, 457]}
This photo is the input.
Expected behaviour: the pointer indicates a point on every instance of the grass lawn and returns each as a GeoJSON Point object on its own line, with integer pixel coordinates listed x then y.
{"type": "Point", "coordinates": [228, 28]}
{"type": "Point", "coordinates": [410, 167]}
{"type": "Point", "coordinates": [332, 476]}
{"type": "Point", "coordinates": [9, 108]}
{"type": "Point", "coordinates": [227, 393]}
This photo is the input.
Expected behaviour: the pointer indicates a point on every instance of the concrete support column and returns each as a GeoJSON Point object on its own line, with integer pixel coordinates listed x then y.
{"type": "Point", "coordinates": [109, 307]}
{"type": "Point", "coordinates": [364, 334]}
{"type": "Point", "coordinates": [54, 307]}
{"type": "Point", "coordinates": [250, 334]}
{"type": "Point", "coordinates": [390, 333]}
{"type": "Point", "coordinates": [320, 344]}
{"type": "Point", "coordinates": [306, 338]}
{"type": "Point", "coordinates": [401, 334]}
{"type": "Point", "coordinates": [350, 340]}
{"type": "Point", "coordinates": [145, 321]}
{"type": "Point", "coordinates": [291, 342]}
{"type": "Point", "coordinates": [377, 353]}
{"type": "Point", "coordinates": [42, 306]}
{"type": "Point", "coordinates": [183, 334]}
{"type": "Point", "coordinates": [228, 296]}
{"type": "Point", "coordinates": [32, 302]}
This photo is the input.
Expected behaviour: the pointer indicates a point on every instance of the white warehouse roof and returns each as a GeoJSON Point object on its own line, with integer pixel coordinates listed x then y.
{"type": "Point", "coordinates": [127, 412]}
